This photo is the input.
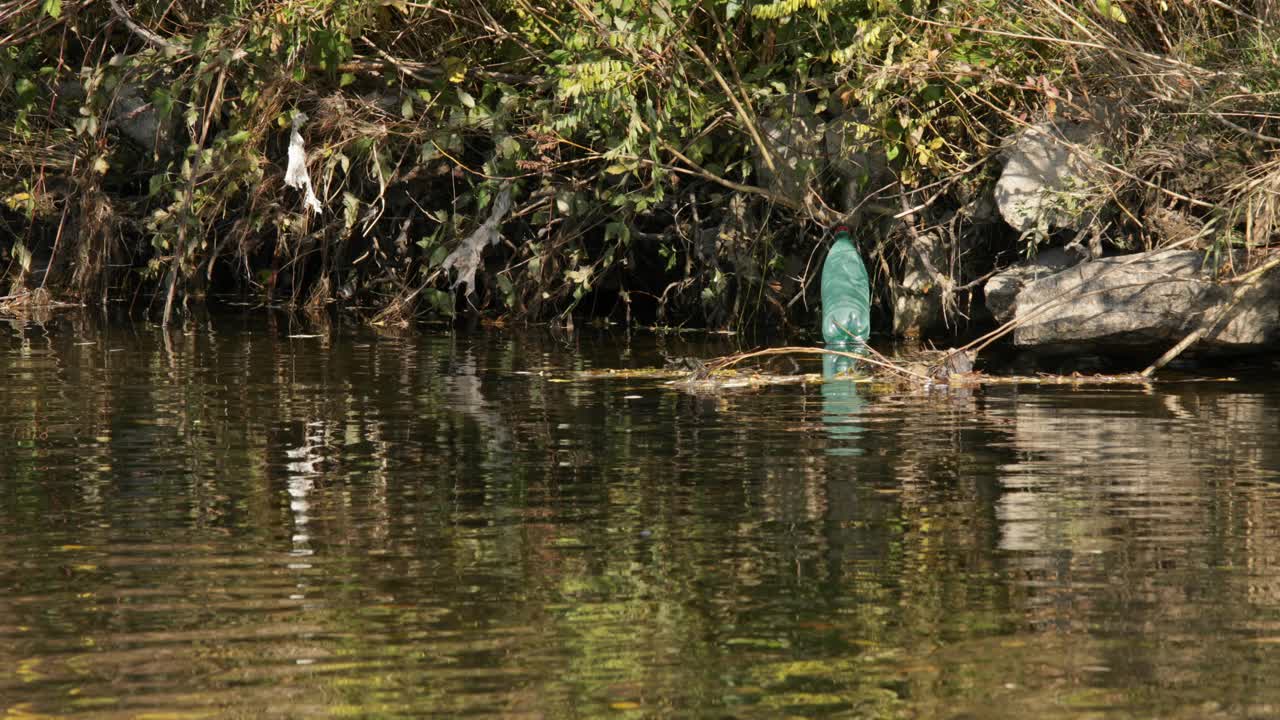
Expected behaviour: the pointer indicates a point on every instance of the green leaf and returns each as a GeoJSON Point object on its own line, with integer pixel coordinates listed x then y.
{"type": "Point", "coordinates": [52, 8]}
{"type": "Point", "coordinates": [619, 231]}
{"type": "Point", "coordinates": [465, 98]}
{"type": "Point", "coordinates": [406, 107]}
{"type": "Point", "coordinates": [440, 301]}
{"type": "Point", "coordinates": [26, 91]}
{"type": "Point", "coordinates": [1112, 10]}
{"type": "Point", "coordinates": [162, 101]}
{"type": "Point", "coordinates": [507, 289]}
{"type": "Point", "coordinates": [508, 147]}
{"type": "Point", "coordinates": [437, 256]}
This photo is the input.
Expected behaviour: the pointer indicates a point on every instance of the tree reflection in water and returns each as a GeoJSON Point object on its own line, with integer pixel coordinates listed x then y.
{"type": "Point", "coordinates": [243, 520]}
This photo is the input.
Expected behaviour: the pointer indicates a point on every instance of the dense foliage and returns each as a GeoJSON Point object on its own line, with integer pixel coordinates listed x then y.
{"type": "Point", "coordinates": [624, 153]}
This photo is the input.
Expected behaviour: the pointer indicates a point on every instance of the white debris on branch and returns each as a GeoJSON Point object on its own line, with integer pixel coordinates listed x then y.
{"type": "Point", "coordinates": [296, 176]}
{"type": "Point", "coordinates": [466, 257]}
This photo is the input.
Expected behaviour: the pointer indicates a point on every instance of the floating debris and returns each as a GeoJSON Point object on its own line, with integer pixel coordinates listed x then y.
{"type": "Point", "coordinates": [929, 369]}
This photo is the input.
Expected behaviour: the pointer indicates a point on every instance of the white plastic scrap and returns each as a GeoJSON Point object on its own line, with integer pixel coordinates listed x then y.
{"type": "Point", "coordinates": [466, 257]}
{"type": "Point", "coordinates": [296, 175]}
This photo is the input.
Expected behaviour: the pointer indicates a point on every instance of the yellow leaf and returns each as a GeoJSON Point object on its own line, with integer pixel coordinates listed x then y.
{"type": "Point", "coordinates": [455, 69]}
{"type": "Point", "coordinates": [17, 200]}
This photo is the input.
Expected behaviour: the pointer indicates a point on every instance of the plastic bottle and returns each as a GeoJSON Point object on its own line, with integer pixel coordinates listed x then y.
{"type": "Point", "coordinates": [846, 294]}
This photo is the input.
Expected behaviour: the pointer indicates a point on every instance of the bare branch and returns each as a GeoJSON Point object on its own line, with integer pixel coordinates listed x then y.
{"type": "Point", "coordinates": [145, 34]}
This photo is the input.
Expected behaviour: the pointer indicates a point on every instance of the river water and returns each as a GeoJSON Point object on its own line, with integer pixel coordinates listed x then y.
{"type": "Point", "coordinates": [261, 517]}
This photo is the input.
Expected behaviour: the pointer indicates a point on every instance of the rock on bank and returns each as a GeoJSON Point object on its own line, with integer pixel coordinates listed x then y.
{"type": "Point", "coordinates": [1144, 300]}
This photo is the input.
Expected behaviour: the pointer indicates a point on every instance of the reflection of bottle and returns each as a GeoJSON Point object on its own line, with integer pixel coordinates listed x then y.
{"type": "Point", "coordinates": [846, 293]}
{"type": "Point", "coordinates": [841, 405]}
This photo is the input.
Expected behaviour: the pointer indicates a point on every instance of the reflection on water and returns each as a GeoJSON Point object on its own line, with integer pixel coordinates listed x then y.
{"type": "Point", "coordinates": [257, 518]}
{"type": "Point", "coordinates": [841, 405]}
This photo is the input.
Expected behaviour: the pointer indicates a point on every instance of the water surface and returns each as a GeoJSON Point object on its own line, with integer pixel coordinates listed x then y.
{"type": "Point", "coordinates": [262, 517]}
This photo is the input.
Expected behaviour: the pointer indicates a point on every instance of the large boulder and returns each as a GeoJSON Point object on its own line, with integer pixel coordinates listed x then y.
{"type": "Point", "coordinates": [1047, 182]}
{"type": "Point", "coordinates": [1002, 289]}
{"type": "Point", "coordinates": [1136, 301]}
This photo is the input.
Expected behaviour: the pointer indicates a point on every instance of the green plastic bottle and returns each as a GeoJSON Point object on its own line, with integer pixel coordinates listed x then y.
{"type": "Point", "coordinates": [846, 294]}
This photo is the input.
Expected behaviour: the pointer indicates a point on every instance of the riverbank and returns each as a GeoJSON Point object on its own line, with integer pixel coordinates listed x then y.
{"type": "Point", "coordinates": [670, 163]}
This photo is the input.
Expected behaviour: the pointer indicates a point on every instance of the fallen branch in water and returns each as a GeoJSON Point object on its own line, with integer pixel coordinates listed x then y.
{"type": "Point", "coordinates": [724, 363]}
{"type": "Point", "coordinates": [938, 361]}
{"type": "Point", "coordinates": [37, 299]}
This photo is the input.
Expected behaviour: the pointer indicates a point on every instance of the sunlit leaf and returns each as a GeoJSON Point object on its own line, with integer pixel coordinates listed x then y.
{"type": "Point", "coordinates": [1111, 9]}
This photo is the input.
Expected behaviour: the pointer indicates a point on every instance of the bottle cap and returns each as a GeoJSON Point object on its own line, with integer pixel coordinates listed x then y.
{"type": "Point", "coordinates": [842, 229]}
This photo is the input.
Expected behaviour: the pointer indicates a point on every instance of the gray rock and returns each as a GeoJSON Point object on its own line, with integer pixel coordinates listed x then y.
{"type": "Point", "coordinates": [132, 114]}
{"type": "Point", "coordinates": [918, 299]}
{"type": "Point", "coordinates": [1047, 184]}
{"type": "Point", "coordinates": [859, 162]}
{"type": "Point", "coordinates": [1002, 289]}
{"type": "Point", "coordinates": [1154, 298]}
{"type": "Point", "coordinates": [796, 147]}
{"type": "Point", "coordinates": [135, 116]}
{"type": "Point", "coordinates": [853, 158]}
